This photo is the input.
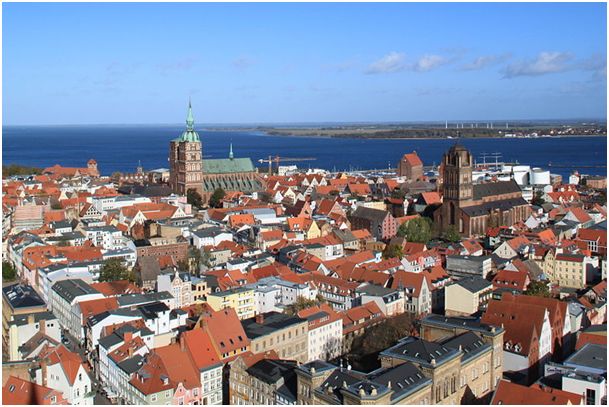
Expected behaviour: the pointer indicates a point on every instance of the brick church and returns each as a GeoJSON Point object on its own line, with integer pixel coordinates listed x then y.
{"type": "Point", "coordinates": [472, 208]}
{"type": "Point", "coordinates": [188, 169]}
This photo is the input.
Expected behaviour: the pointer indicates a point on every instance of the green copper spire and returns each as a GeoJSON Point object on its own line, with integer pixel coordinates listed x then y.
{"type": "Point", "coordinates": [230, 153]}
{"type": "Point", "coordinates": [190, 134]}
{"type": "Point", "coordinates": [190, 121]}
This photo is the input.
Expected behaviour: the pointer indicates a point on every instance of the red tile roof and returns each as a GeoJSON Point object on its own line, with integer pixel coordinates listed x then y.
{"type": "Point", "coordinates": [515, 394]}
{"type": "Point", "coordinates": [406, 279]}
{"type": "Point", "coordinates": [179, 365]}
{"type": "Point", "coordinates": [431, 198]}
{"type": "Point", "coordinates": [70, 361]}
{"type": "Point", "coordinates": [17, 391]}
{"type": "Point", "coordinates": [412, 159]}
{"type": "Point", "coordinates": [201, 347]}
{"type": "Point", "coordinates": [225, 330]}
{"type": "Point", "coordinates": [94, 307]}
{"type": "Point", "coordinates": [516, 280]}
{"type": "Point", "coordinates": [116, 288]}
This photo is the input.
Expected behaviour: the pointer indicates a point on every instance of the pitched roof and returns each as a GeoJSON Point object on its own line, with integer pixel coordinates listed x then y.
{"type": "Point", "coordinates": [241, 219]}
{"type": "Point", "coordinates": [522, 322]}
{"type": "Point", "coordinates": [115, 288]}
{"type": "Point", "coordinates": [495, 188]}
{"type": "Point", "coordinates": [225, 329]}
{"type": "Point", "coordinates": [511, 279]}
{"type": "Point", "coordinates": [94, 307]}
{"type": "Point", "coordinates": [405, 279]}
{"type": "Point", "coordinates": [511, 393]}
{"type": "Point", "coordinates": [377, 215]}
{"type": "Point", "coordinates": [70, 361]}
{"type": "Point", "coordinates": [201, 348]}
{"type": "Point", "coordinates": [17, 391]}
{"type": "Point", "coordinates": [412, 159]}
{"type": "Point", "coordinates": [580, 214]}
{"type": "Point", "coordinates": [179, 365]}
{"type": "Point", "coordinates": [431, 198]}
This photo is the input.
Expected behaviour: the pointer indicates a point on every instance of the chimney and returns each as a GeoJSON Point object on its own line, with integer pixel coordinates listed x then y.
{"type": "Point", "coordinates": [130, 351]}
{"type": "Point", "coordinates": [42, 326]}
{"type": "Point", "coordinates": [127, 336]}
{"type": "Point", "coordinates": [182, 343]}
{"type": "Point", "coordinates": [30, 319]}
{"type": "Point", "coordinates": [43, 368]}
{"type": "Point", "coordinates": [260, 319]}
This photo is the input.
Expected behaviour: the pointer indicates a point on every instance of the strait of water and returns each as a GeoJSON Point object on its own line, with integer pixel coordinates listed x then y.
{"type": "Point", "coordinates": [118, 148]}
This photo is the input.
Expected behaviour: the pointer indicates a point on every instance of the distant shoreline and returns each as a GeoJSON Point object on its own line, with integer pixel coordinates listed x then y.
{"type": "Point", "coordinates": [421, 134]}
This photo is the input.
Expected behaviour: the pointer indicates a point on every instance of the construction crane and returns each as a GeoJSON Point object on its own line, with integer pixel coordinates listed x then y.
{"type": "Point", "coordinates": [278, 159]}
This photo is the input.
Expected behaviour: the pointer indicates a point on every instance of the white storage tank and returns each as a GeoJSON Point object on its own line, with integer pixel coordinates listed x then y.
{"type": "Point", "coordinates": [521, 177]}
{"type": "Point", "coordinates": [540, 177]}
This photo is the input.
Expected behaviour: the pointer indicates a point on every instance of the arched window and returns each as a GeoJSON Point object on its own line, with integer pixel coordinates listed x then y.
{"type": "Point", "coordinates": [452, 213]}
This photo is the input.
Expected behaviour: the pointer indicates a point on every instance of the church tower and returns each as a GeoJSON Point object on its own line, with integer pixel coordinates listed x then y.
{"type": "Point", "coordinates": [457, 186]}
{"type": "Point", "coordinates": [185, 159]}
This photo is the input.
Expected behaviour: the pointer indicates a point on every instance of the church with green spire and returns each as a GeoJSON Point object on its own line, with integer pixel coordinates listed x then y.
{"type": "Point", "coordinates": [188, 169]}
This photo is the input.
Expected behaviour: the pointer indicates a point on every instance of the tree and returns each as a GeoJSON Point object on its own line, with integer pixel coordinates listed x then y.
{"type": "Point", "coordinates": [194, 259]}
{"type": "Point", "coordinates": [537, 199]}
{"type": "Point", "coordinates": [365, 348]}
{"type": "Point", "coordinates": [402, 230]}
{"type": "Point", "coordinates": [15, 169]}
{"type": "Point", "coordinates": [303, 303]}
{"type": "Point", "coordinates": [8, 271]}
{"type": "Point", "coordinates": [452, 234]}
{"type": "Point", "coordinates": [194, 198]}
{"type": "Point", "coordinates": [215, 200]}
{"type": "Point", "coordinates": [113, 269]}
{"type": "Point", "coordinates": [206, 258]}
{"type": "Point", "coordinates": [416, 230]}
{"type": "Point", "coordinates": [397, 193]}
{"type": "Point", "coordinates": [538, 289]}
{"type": "Point", "coordinates": [393, 250]}
{"type": "Point", "coordinates": [184, 265]}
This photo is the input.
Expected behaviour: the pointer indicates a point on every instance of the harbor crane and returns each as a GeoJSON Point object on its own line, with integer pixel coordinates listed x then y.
{"type": "Point", "coordinates": [277, 159]}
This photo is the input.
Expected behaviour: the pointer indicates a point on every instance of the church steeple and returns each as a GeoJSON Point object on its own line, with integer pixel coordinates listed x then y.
{"type": "Point", "coordinates": [230, 153]}
{"type": "Point", "coordinates": [190, 121]}
{"type": "Point", "coordinates": [190, 134]}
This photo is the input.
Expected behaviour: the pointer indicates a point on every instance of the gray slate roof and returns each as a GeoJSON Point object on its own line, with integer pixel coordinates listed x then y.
{"type": "Point", "coordinates": [495, 188]}
{"type": "Point", "coordinates": [474, 284]}
{"type": "Point", "coordinates": [70, 289]}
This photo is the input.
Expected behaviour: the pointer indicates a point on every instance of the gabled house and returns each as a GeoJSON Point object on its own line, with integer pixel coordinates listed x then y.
{"type": "Point", "coordinates": [60, 369]}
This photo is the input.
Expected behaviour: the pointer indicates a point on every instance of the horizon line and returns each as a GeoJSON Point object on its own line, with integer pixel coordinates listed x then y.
{"type": "Point", "coordinates": [369, 122]}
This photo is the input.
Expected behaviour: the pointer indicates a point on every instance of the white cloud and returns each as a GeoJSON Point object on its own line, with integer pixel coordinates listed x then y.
{"type": "Point", "coordinates": [545, 63]}
{"type": "Point", "coordinates": [483, 61]}
{"type": "Point", "coordinates": [597, 64]}
{"type": "Point", "coordinates": [392, 62]}
{"type": "Point", "coordinates": [428, 62]}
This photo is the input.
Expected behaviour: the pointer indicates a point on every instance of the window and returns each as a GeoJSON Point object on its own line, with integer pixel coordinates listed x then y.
{"type": "Point", "coordinates": [167, 393]}
{"type": "Point", "coordinates": [590, 396]}
{"type": "Point", "coordinates": [153, 397]}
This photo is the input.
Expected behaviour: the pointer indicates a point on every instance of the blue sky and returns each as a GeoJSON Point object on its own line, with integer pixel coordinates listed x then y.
{"type": "Point", "coordinates": [127, 63]}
